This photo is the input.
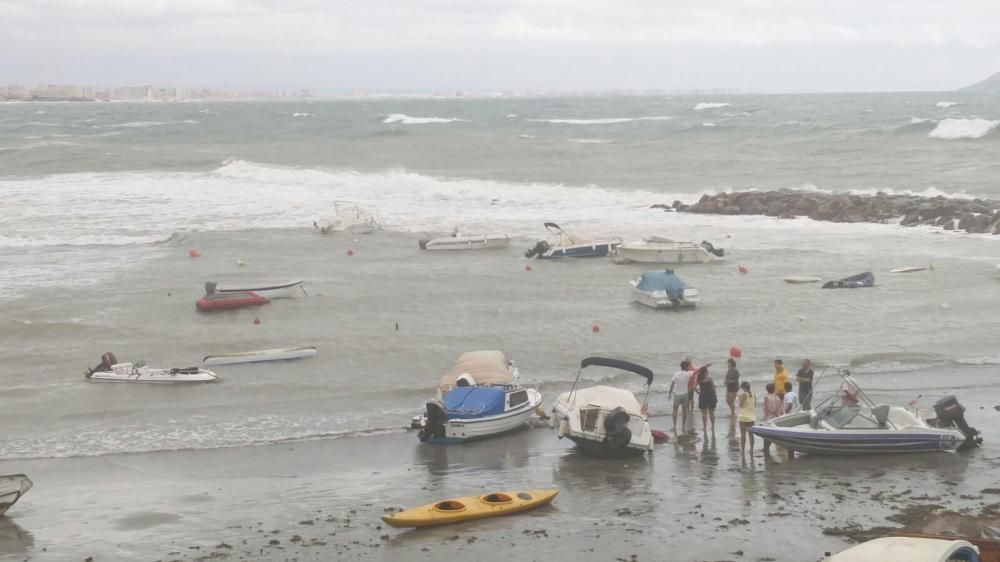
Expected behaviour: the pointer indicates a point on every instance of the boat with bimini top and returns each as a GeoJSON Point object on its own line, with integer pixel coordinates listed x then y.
{"type": "Point", "coordinates": [564, 244]}
{"type": "Point", "coordinates": [663, 289]}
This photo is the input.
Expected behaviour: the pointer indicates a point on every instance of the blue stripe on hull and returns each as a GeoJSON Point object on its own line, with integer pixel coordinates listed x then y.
{"type": "Point", "coordinates": [860, 443]}
{"type": "Point", "coordinates": [598, 251]}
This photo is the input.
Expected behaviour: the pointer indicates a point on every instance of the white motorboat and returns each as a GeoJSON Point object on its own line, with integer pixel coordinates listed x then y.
{"type": "Point", "coordinates": [909, 549]}
{"type": "Point", "coordinates": [12, 487]}
{"type": "Point", "coordinates": [850, 423]}
{"type": "Point", "coordinates": [604, 420]}
{"type": "Point", "coordinates": [657, 249]}
{"type": "Point", "coordinates": [465, 242]}
{"type": "Point", "coordinates": [563, 244]}
{"type": "Point", "coordinates": [663, 289]}
{"type": "Point", "coordinates": [351, 218]}
{"type": "Point", "coordinates": [110, 370]}
{"type": "Point", "coordinates": [478, 398]}
{"type": "Point", "coordinates": [260, 356]}
{"type": "Point", "coordinates": [278, 290]}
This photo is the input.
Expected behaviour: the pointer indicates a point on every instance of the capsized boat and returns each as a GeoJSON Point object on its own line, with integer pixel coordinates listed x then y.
{"type": "Point", "coordinates": [349, 217]}
{"type": "Point", "coordinates": [800, 279]}
{"type": "Point", "coordinates": [470, 508]}
{"type": "Point", "coordinates": [458, 242]}
{"type": "Point", "coordinates": [848, 422]}
{"type": "Point", "coordinates": [260, 355]}
{"type": "Point", "coordinates": [604, 420]}
{"type": "Point", "coordinates": [657, 249]}
{"type": "Point", "coordinates": [110, 370]}
{"type": "Point", "coordinates": [663, 289]}
{"type": "Point", "coordinates": [12, 487]}
{"type": "Point", "coordinates": [279, 290]}
{"type": "Point", "coordinates": [861, 280]}
{"type": "Point", "coordinates": [478, 398]}
{"type": "Point", "coordinates": [563, 244]}
{"type": "Point", "coordinates": [229, 301]}
{"type": "Point", "coordinates": [909, 549]}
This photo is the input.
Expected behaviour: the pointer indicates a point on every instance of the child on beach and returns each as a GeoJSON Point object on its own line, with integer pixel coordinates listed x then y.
{"type": "Point", "coordinates": [707, 400]}
{"type": "Point", "coordinates": [747, 417]}
{"type": "Point", "coordinates": [773, 408]}
{"type": "Point", "coordinates": [791, 401]}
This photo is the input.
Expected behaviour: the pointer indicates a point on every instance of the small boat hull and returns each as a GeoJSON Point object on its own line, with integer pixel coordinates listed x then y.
{"type": "Point", "coordinates": [260, 356]}
{"type": "Point", "coordinates": [600, 448]}
{"type": "Point", "coordinates": [594, 250]}
{"type": "Point", "coordinates": [229, 301]}
{"type": "Point", "coordinates": [801, 279]}
{"type": "Point", "coordinates": [267, 290]}
{"type": "Point", "coordinates": [470, 508]}
{"type": "Point", "coordinates": [660, 300]}
{"type": "Point", "coordinates": [12, 487]}
{"type": "Point", "coordinates": [466, 243]}
{"type": "Point", "coordinates": [654, 253]}
{"type": "Point", "coordinates": [862, 442]}
{"type": "Point", "coordinates": [461, 430]}
{"type": "Point", "coordinates": [127, 372]}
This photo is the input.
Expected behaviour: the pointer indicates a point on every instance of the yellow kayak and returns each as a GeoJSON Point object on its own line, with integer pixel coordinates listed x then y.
{"type": "Point", "coordinates": [469, 508]}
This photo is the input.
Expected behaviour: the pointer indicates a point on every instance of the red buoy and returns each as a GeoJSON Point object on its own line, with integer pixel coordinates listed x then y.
{"type": "Point", "coordinates": [742, 268]}
{"type": "Point", "coordinates": [256, 320]}
{"type": "Point", "coordinates": [192, 253]}
{"type": "Point", "coordinates": [350, 252]}
{"type": "Point", "coordinates": [527, 268]}
{"type": "Point", "coordinates": [595, 328]}
{"type": "Point", "coordinates": [735, 352]}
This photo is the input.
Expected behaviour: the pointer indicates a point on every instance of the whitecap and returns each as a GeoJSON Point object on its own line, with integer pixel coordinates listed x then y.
{"type": "Point", "coordinates": [404, 119]}
{"type": "Point", "coordinates": [711, 105]}
{"type": "Point", "coordinates": [602, 121]}
{"type": "Point", "coordinates": [707, 124]}
{"type": "Point", "coordinates": [946, 104]}
{"type": "Point", "coordinates": [302, 115]}
{"type": "Point", "coordinates": [951, 129]}
{"type": "Point", "coordinates": [592, 141]}
{"type": "Point", "coordinates": [919, 120]}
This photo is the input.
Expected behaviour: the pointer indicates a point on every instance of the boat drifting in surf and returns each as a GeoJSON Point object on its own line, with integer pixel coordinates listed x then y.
{"type": "Point", "coordinates": [260, 356]}
{"type": "Point", "coordinates": [663, 289]}
{"type": "Point", "coordinates": [859, 281]}
{"type": "Point", "coordinates": [12, 488]}
{"type": "Point", "coordinates": [280, 290]}
{"type": "Point", "coordinates": [349, 217]}
{"type": "Point", "coordinates": [563, 244]}
{"type": "Point", "coordinates": [470, 508]}
{"type": "Point", "coordinates": [657, 249]}
{"type": "Point", "coordinates": [110, 370]}
{"type": "Point", "coordinates": [465, 242]}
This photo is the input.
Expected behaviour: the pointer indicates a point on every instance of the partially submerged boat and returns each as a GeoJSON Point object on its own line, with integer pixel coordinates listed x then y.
{"type": "Point", "coordinates": [110, 370]}
{"type": "Point", "coordinates": [458, 242]}
{"type": "Point", "coordinates": [663, 289]}
{"type": "Point", "coordinates": [861, 280]}
{"type": "Point", "coordinates": [349, 217]}
{"type": "Point", "coordinates": [801, 279]}
{"type": "Point", "coordinates": [657, 249]}
{"type": "Point", "coordinates": [12, 487]}
{"type": "Point", "coordinates": [478, 398]}
{"type": "Point", "coordinates": [910, 549]}
{"type": "Point", "coordinates": [261, 355]}
{"type": "Point", "coordinates": [603, 420]}
{"type": "Point", "coordinates": [229, 301]}
{"type": "Point", "coordinates": [470, 508]}
{"type": "Point", "coordinates": [848, 422]}
{"type": "Point", "coordinates": [563, 244]}
{"type": "Point", "coordinates": [278, 290]}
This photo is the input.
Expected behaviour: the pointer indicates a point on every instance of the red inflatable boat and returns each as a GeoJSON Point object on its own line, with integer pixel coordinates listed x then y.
{"type": "Point", "coordinates": [229, 301]}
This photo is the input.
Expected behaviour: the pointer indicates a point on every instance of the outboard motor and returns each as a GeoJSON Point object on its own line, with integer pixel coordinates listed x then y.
{"type": "Point", "coordinates": [616, 431]}
{"type": "Point", "coordinates": [210, 287]}
{"type": "Point", "coordinates": [950, 413]}
{"type": "Point", "coordinates": [435, 419]}
{"type": "Point", "coordinates": [538, 250]}
{"type": "Point", "coordinates": [107, 360]}
{"type": "Point", "coordinates": [423, 243]}
{"type": "Point", "coordinates": [717, 252]}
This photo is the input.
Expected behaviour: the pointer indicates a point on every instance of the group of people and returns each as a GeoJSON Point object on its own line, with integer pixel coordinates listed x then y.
{"type": "Point", "coordinates": [780, 399]}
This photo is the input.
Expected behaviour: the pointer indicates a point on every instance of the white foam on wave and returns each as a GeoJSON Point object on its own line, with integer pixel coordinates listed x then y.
{"type": "Point", "coordinates": [302, 115]}
{"type": "Point", "coordinates": [40, 144]}
{"type": "Point", "coordinates": [710, 105]}
{"type": "Point", "coordinates": [920, 120]}
{"type": "Point", "coordinates": [708, 124]}
{"type": "Point", "coordinates": [403, 119]}
{"type": "Point", "coordinates": [146, 124]}
{"type": "Point", "coordinates": [953, 129]}
{"type": "Point", "coordinates": [602, 120]}
{"type": "Point", "coordinates": [946, 104]}
{"type": "Point", "coordinates": [592, 141]}
{"type": "Point", "coordinates": [927, 192]}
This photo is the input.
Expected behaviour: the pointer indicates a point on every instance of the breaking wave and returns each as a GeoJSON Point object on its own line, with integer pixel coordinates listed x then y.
{"type": "Point", "coordinates": [146, 124]}
{"type": "Point", "coordinates": [404, 119]}
{"type": "Point", "coordinates": [592, 141]}
{"type": "Point", "coordinates": [946, 104]}
{"type": "Point", "coordinates": [711, 105]}
{"type": "Point", "coordinates": [952, 129]}
{"type": "Point", "coordinates": [602, 121]}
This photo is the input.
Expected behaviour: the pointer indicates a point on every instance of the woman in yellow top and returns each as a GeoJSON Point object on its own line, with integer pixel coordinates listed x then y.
{"type": "Point", "coordinates": [747, 416]}
{"type": "Point", "coordinates": [780, 378]}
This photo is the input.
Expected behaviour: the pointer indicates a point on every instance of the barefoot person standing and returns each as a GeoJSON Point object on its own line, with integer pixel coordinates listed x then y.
{"type": "Point", "coordinates": [747, 403]}
{"type": "Point", "coordinates": [680, 398]}
{"type": "Point", "coordinates": [732, 385]}
{"type": "Point", "coordinates": [707, 400]}
{"type": "Point", "coordinates": [805, 380]}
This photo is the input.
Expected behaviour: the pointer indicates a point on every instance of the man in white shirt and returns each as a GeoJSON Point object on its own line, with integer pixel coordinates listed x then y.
{"type": "Point", "coordinates": [791, 399]}
{"type": "Point", "coordinates": [680, 398]}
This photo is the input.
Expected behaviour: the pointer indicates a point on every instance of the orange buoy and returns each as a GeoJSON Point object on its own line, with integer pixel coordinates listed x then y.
{"type": "Point", "coordinates": [192, 253]}
{"type": "Point", "coordinates": [595, 328]}
{"type": "Point", "coordinates": [350, 252]}
{"type": "Point", "coordinates": [735, 352]}
{"type": "Point", "coordinates": [256, 320]}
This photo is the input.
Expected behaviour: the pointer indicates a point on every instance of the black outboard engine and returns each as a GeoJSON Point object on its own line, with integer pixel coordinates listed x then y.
{"type": "Point", "coordinates": [423, 243]}
{"type": "Point", "coordinates": [717, 252]}
{"type": "Point", "coordinates": [107, 360]}
{"type": "Point", "coordinates": [538, 250]}
{"type": "Point", "coordinates": [435, 419]}
{"type": "Point", "coordinates": [952, 414]}
{"type": "Point", "coordinates": [616, 431]}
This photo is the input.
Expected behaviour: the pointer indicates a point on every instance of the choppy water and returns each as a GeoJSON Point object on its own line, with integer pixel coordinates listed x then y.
{"type": "Point", "coordinates": [100, 203]}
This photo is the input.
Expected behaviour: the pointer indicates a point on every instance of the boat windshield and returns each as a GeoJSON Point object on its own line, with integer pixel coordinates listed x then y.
{"type": "Point", "coordinates": [849, 417]}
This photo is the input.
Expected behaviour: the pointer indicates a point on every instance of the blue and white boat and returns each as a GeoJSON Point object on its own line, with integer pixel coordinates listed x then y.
{"type": "Point", "coordinates": [663, 289]}
{"type": "Point", "coordinates": [480, 397]}
{"type": "Point", "coordinates": [563, 244]}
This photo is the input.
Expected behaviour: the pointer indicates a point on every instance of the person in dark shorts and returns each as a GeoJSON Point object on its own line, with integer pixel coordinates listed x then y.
{"type": "Point", "coordinates": [805, 380]}
{"type": "Point", "coordinates": [732, 385]}
{"type": "Point", "coordinates": [707, 401]}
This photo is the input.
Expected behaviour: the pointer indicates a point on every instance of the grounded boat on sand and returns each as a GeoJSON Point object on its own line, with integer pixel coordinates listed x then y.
{"type": "Point", "coordinates": [260, 356]}
{"type": "Point", "coordinates": [861, 280]}
{"type": "Point", "coordinates": [110, 370]}
{"type": "Point", "coordinates": [604, 420]}
{"type": "Point", "coordinates": [478, 398]}
{"type": "Point", "coordinates": [657, 249]}
{"type": "Point", "coordinates": [910, 549]}
{"type": "Point", "coordinates": [12, 487]}
{"type": "Point", "coordinates": [470, 508]}
{"type": "Point", "coordinates": [349, 217]}
{"type": "Point", "coordinates": [663, 289]}
{"type": "Point", "coordinates": [279, 290]}
{"type": "Point", "coordinates": [229, 301]}
{"type": "Point", "coordinates": [465, 242]}
{"type": "Point", "coordinates": [849, 423]}
{"type": "Point", "coordinates": [563, 244]}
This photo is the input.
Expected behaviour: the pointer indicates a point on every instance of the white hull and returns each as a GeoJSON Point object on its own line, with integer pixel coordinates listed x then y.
{"type": "Point", "coordinates": [127, 372]}
{"type": "Point", "coordinates": [583, 423]}
{"type": "Point", "coordinates": [349, 218]}
{"type": "Point", "coordinates": [662, 253]}
{"type": "Point", "coordinates": [260, 356]}
{"type": "Point", "coordinates": [459, 243]}
{"type": "Point", "coordinates": [660, 299]}
{"type": "Point", "coordinates": [283, 290]}
{"type": "Point", "coordinates": [458, 430]}
{"type": "Point", "coordinates": [12, 487]}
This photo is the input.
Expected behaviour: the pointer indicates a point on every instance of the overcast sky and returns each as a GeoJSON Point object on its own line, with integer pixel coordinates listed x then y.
{"type": "Point", "coordinates": [421, 45]}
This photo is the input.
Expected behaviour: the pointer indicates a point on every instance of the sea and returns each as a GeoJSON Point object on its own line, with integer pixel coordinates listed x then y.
{"type": "Point", "coordinates": [100, 204]}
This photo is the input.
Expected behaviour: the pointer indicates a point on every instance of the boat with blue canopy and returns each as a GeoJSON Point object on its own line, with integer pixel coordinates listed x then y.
{"type": "Point", "coordinates": [663, 289]}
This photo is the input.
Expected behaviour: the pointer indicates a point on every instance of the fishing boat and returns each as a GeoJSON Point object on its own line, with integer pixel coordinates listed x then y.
{"type": "Point", "coordinates": [110, 370]}
{"type": "Point", "coordinates": [279, 290]}
{"type": "Point", "coordinates": [657, 249]}
{"type": "Point", "coordinates": [604, 420]}
{"type": "Point", "coordinates": [12, 487]}
{"type": "Point", "coordinates": [465, 242]}
{"type": "Point", "coordinates": [229, 301]}
{"type": "Point", "coordinates": [910, 549]}
{"type": "Point", "coordinates": [478, 398]}
{"type": "Point", "coordinates": [260, 356]}
{"type": "Point", "coordinates": [663, 289]}
{"type": "Point", "coordinates": [563, 244]}
{"type": "Point", "coordinates": [349, 217]}
{"type": "Point", "coordinates": [849, 423]}
{"type": "Point", "coordinates": [861, 280]}
{"type": "Point", "coordinates": [470, 508]}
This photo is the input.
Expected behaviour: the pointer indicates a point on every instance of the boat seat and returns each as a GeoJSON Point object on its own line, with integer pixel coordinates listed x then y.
{"type": "Point", "coordinates": [497, 498]}
{"type": "Point", "coordinates": [881, 413]}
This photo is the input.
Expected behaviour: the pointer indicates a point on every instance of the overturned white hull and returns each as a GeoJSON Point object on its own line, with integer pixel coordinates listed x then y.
{"type": "Point", "coordinates": [12, 487]}
{"type": "Point", "coordinates": [281, 290]}
{"type": "Point", "coordinates": [462, 243]}
{"type": "Point", "coordinates": [261, 355]}
{"type": "Point", "coordinates": [127, 372]}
